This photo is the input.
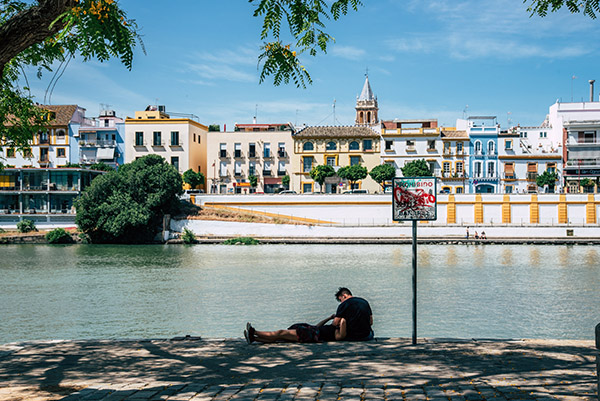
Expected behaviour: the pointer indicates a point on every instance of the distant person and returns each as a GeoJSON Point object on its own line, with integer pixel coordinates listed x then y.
{"type": "Point", "coordinates": [476, 235]}
{"type": "Point", "coordinates": [467, 233]}
{"type": "Point", "coordinates": [299, 332]}
{"type": "Point", "coordinates": [357, 313]}
{"type": "Point", "coordinates": [483, 236]}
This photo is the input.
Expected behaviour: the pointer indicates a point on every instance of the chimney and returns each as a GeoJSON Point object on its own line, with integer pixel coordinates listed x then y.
{"type": "Point", "coordinates": [592, 89]}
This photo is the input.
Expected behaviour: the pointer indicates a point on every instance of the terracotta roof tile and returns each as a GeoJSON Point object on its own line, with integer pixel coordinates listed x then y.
{"type": "Point", "coordinates": [454, 134]}
{"type": "Point", "coordinates": [64, 113]}
{"type": "Point", "coordinates": [336, 132]}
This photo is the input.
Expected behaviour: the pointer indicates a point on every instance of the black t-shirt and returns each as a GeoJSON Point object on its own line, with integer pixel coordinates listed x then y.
{"type": "Point", "coordinates": [357, 313]}
{"type": "Point", "coordinates": [327, 333]}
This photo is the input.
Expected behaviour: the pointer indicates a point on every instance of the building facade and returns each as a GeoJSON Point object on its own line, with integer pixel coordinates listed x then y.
{"type": "Point", "coordinates": [260, 150]}
{"type": "Point", "coordinates": [338, 147]}
{"type": "Point", "coordinates": [180, 141]}
{"type": "Point", "coordinates": [455, 161]}
{"type": "Point", "coordinates": [53, 147]}
{"type": "Point", "coordinates": [483, 152]}
{"type": "Point", "coordinates": [102, 140]}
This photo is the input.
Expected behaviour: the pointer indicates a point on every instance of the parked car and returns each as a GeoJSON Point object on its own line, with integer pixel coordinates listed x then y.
{"type": "Point", "coordinates": [193, 191]}
{"type": "Point", "coordinates": [287, 192]}
{"type": "Point", "coordinates": [356, 191]}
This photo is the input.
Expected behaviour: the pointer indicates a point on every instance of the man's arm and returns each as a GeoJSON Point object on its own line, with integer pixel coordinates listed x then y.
{"type": "Point", "coordinates": [336, 321]}
{"type": "Point", "coordinates": [322, 322]}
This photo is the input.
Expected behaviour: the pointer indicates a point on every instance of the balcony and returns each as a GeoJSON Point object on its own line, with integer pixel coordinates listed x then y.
{"type": "Point", "coordinates": [176, 144]}
{"type": "Point", "coordinates": [510, 176]}
{"type": "Point", "coordinates": [281, 173]}
{"type": "Point", "coordinates": [44, 162]}
{"type": "Point", "coordinates": [532, 176]}
{"type": "Point", "coordinates": [237, 174]}
{"type": "Point", "coordinates": [92, 143]}
{"type": "Point", "coordinates": [583, 162]}
{"type": "Point", "coordinates": [411, 149]}
{"type": "Point", "coordinates": [452, 176]}
{"type": "Point", "coordinates": [158, 143]}
{"type": "Point", "coordinates": [140, 143]}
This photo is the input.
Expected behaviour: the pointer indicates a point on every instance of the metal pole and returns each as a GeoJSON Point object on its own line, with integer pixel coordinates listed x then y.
{"type": "Point", "coordinates": [414, 280]}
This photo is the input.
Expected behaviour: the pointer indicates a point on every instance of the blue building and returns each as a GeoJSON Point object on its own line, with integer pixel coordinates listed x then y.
{"type": "Point", "coordinates": [483, 153]}
{"type": "Point", "coordinates": [101, 139]}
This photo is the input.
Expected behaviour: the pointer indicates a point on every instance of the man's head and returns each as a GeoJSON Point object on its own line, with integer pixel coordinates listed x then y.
{"type": "Point", "coordinates": [343, 294]}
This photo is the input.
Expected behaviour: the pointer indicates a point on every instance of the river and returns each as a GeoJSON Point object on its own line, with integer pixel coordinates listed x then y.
{"type": "Point", "coordinates": [465, 291]}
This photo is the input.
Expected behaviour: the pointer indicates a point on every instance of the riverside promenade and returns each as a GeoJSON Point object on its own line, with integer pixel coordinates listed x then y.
{"type": "Point", "coordinates": [221, 370]}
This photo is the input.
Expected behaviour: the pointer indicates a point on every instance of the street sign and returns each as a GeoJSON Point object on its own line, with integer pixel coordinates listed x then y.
{"type": "Point", "coordinates": [414, 198]}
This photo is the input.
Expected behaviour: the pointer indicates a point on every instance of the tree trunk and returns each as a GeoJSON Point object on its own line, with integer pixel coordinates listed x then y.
{"type": "Point", "coordinates": [30, 27]}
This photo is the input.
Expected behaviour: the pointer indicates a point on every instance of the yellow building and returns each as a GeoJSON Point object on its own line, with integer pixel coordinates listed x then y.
{"type": "Point", "coordinates": [337, 147]}
{"type": "Point", "coordinates": [181, 141]}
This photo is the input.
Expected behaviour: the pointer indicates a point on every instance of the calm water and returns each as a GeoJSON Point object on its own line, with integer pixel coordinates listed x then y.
{"type": "Point", "coordinates": [79, 292]}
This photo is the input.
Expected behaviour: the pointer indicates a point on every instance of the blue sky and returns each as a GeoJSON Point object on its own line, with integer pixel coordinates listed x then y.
{"type": "Point", "coordinates": [426, 59]}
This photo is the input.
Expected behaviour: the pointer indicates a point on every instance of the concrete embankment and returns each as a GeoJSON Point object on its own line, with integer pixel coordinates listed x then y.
{"type": "Point", "coordinates": [220, 370]}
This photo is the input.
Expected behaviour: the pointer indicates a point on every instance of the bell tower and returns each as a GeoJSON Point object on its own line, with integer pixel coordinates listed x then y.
{"type": "Point", "coordinates": [366, 106]}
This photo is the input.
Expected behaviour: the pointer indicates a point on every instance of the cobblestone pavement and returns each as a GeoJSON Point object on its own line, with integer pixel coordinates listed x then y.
{"type": "Point", "coordinates": [222, 370]}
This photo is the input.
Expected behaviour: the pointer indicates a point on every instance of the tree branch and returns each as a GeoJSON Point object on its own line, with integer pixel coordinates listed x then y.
{"type": "Point", "coordinates": [30, 27]}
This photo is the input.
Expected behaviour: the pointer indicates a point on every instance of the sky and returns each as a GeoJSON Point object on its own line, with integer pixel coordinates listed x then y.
{"type": "Point", "coordinates": [441, 59]}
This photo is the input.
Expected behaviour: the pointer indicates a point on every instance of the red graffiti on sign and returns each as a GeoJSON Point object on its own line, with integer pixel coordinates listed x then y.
{"type": "Point", "coordinates": [417, 200]}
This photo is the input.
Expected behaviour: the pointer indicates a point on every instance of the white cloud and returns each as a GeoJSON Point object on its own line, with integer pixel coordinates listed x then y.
{"type": "Point", "coordinates": [348, 52]}
{"type": "Point", "coordinates": [237, 65]}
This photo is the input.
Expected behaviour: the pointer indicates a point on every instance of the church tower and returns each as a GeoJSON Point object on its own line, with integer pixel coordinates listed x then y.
{"type": "Point", "coordinates": [366, 106]}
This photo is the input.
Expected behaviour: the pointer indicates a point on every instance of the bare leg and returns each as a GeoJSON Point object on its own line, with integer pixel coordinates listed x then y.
{"type": "Point", "coordinates": [275, 336]}
{"type": "Point", "coordinates": [340, 331]}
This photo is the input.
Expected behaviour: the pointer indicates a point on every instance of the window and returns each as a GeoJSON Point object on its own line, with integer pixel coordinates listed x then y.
{"type": "Point", "coordinates": [237, 149]}
{"type": "Point", "coordinates": [61, 152]}
{"type": "Point", "coordinates": [367, 144]}
{"type": "Point", "coordinates": [238, 168]}
{"type": "Point", "coordinates": [223, 169]}
{"type": "Point", "coordinates": [331, 146]}
{"type": "Point", "coordinates": [175, 162]}
{"type": "Point", "coordinates": [174, 138]}
{"type": "Point", "coordinates": [491, 147]}
{"type": "Point", "coordinates": [10, 153]}
{"type": "Point", "coordinates": [330, 160]}
{"type": "Point", "coordinates": [281, 168]}
{"type": "Point", "coordinates": [194, 137]}
{"type": "Point", "coordinates": [523, 134]}
{"type": "Point", "coordinates": [478, 148]}
{"type": "Point", "coordinates": [139, 139]}
{"type": "Point", "coordinates": [508, 189]}
{"type": "Point", "coordinates": [508, 144]}
{"type": "Point", "coordinates": [447, 148]}
{"type": "Point", "coordinates": [459, 147]}
{"type": "Point", "coordinates": [156, 138]}
{"type": "Point", "coordinates": [308, 146]}
{"type": "Point", "coordinates": [281, 149]}
{"type": "Point", "coordinates": [543, 134]}
{"type": "Point", "coordinates": [267, 150]}
{"type": "Point", "coordinates": [459, 190]}
{"type": "Point", "coordinates": [509, 170]}
{"type": "Point", "coordinates": [477, 172]}
{"type": "Point", "coordinates": [306, 187]}
{"type": "Point", "coordinates": [252, 150]}
{"type": "Point", "coordinates": [354, 145]}
{"type": "Point", "coordinates": [222, 150]}
{"type": "Point", "coordinates": [60, 134]}
{"type": "Point", "coordinates": [551, 167]}
{"type": "Point", "coordinates": [389, 145]}
{"type": "Point", "coordinates": [106, 123]}
{"type": "Point", "coordinates": [307, 163]}
{"type": "Point", "coordinates": [252, 168]}
{"type": "Point", "coordinates": [267, 168]}
{"type": "Point", "coordinates": [431, 144]}
{"type": "Point", "coordinates": [587, 137]}
{"type": "Point", "coordinates": [410, 145]}
{"type": "Point", "coordinates": [354, 160]}
{"type": "Point", "coordinates": [446, 168]}
{"type": "Point", "coordinates": [491, 169]}
{"type": "Point", "coordinates": [28, 154]}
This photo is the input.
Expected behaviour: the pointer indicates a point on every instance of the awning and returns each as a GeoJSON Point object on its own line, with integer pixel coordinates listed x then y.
{"type": "Point", "coordinates": [272, 180]}
{"type": "Point", "coordinates": [105, 154]}
{"type": "Point", "coordinates": [509, 168]}
{"type": "Point", "coordinates": [241, 184]}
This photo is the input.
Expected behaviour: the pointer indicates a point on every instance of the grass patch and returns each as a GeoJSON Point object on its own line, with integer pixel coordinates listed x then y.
{"type": "Point", "coordinates": [188, 236]}
{"type": "Point", "coordinates": [241, 241]}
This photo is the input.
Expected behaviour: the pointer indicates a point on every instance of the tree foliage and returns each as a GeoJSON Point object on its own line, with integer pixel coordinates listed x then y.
{"type": "Point", "coordinates": [285, 181]}
{"type": "Point", "coordinates": [127, 206]}
{"type": "Point", "coordinates": [59, 236]}
{"type": "Point", "coordinates": [541, 7]}
{"type": "Point", "coordinates": [101, 166]}
{"type": "Point", "coordinates": [382, 173]}
{"type": "Point", "coordinates": [304, 20]}
{"type": "Point", "coordinates": [253, 180]}
{"type": "Point", "coordinates": [43, 32]}
{"type": "Point", "coordinates": [547, 178]}
{"type": "Point", "coordinates": [416, 168]}
{"type": "Point", "coordinates": [353, 173]}
{"type": "Point", "coordinates": [26, 226]}
{"type": "Point", "coordinates": [194, 179]}
{"type": "Point", "coordinates": [321, 172]}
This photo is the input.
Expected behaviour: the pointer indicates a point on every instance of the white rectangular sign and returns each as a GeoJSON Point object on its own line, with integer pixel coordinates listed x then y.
{"type": "Point", "coordinates": [414, 198]}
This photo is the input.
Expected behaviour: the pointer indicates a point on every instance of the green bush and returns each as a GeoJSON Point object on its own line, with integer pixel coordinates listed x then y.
{"type": "Point", "coordinates": [59, 236]}
{"type": "Point", "coordinates": [188, 236]}
{"type": "Point", "coordinates": [84, 238]}
{"type": "Point", "coordinates": [241, 241]}
{"type": "Point", "coordinates": [2, 230]}
{"type": "Point", "coordinates": [26, 226]}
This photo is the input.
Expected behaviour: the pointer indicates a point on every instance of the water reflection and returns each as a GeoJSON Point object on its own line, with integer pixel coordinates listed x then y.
{"type": "Point", "coordinates": [67, 292]}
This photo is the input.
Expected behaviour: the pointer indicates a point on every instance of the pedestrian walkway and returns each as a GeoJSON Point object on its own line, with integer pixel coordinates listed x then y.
{"type": "Point", "coordinates": [222, 370]}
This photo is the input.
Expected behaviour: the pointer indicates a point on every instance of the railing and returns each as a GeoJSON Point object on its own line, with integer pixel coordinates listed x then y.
{"type": "Point", "coordinates": [267, 173]}
{"type": "Point", "coordinates": [158, 143]}
{"type": "Point", "coordinates": [510, 176]}
{"type": "Point", "coordinates": [176, 144]}
{"type": "Point", "coordinates": [251, 154]}
{"type": "Point", "coordinates": [267, 154]}
{"type": "Point", "coordinates": [281, 153]}
{"type": "Point", "coordinates": [587, 162]}
{"type": "Point", "coordinates": [532, 176]}
{"type": "Point", "coordinates": [140, 143]}
{"type": "Point", "coordinates": [411, 149]}
{"type": "Point", "coordinates": [96, 142]}
{"type": "Point", "coordinates": [281, 173]}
